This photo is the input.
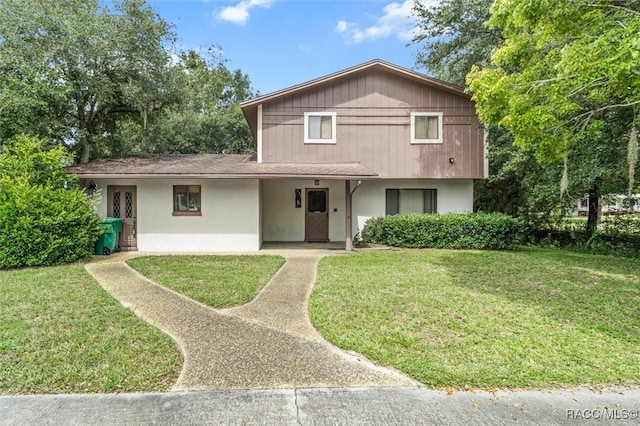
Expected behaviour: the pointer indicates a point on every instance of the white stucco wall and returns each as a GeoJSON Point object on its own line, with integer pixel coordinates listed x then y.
{"type": "Point", "coordinates": [282, 221]}
{"type": "Point", "coordinates": [454, 196]}
{"type": "Point", "coordinates": [230, 218]}
{"type": "Point", "coordinates": [238, 214]}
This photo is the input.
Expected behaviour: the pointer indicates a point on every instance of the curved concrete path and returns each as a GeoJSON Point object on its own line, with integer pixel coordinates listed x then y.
{"type": "Point", "coordinates": [268, 343]}
{"type": "Point", "coordinates": [283, 303]}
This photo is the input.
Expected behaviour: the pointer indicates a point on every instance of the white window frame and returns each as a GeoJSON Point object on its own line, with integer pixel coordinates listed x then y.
{"type": "Point", "coordinates": [426, 114]}
{"type": "Point", "coordinates": [320, 114]}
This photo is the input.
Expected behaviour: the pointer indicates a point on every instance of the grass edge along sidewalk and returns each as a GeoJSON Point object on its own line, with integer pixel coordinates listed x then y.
{"type": "Point", "coordinates": [535, 318]}
{"type": "Point", "coordinates": [60, 332]}
{"type": "Point", "coordinates": [486, 319]}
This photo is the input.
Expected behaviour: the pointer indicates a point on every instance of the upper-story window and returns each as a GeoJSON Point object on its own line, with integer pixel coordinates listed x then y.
{"type": "Point", "coordinates": [319, 127]}
{"type": "Point", "coordinates": [426, 127]}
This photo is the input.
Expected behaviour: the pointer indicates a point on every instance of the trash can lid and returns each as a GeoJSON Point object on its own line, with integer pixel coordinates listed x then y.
{"type": "Point", "coordinates": [112, 220]}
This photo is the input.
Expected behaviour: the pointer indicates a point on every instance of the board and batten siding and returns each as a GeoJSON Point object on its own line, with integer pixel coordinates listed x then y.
{"type": "Point", "coordinates": [374, 125]}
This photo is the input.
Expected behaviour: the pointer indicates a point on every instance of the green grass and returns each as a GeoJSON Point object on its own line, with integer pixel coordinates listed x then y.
{"type": "Point", "coordinates": [60, 332]}
{"type": "Point", "coordinates": [528, 319]}
{"type": "Point", "coordinates": [218, 281]}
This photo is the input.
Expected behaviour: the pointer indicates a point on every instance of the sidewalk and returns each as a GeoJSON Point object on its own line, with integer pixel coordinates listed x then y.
{"type": "Point", "coordinates": [352, 406]}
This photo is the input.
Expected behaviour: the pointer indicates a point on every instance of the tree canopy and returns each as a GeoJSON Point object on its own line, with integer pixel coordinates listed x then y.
{"type": "Point", "coordinates": [560, 77]}
{"type": "Point", "coordinates": [206, 117]}
{"type": "Point", "coordinates": [81, 65]}
{"type": "Point", "coordinates": [566, 71]}
{"type": "Point", "coordinates": [566, 84]}
{"type": "Point", "coordinates": [106, 80]}
{"type": "Point", "coordinates": [454, 38]}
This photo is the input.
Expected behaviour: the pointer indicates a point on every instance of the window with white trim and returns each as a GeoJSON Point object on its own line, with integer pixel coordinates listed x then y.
{"type": "Point", "coordinates": [403, 201]}
{"type": "Point", "coordinates": [426, 127]}
{"type": "Point", "coordinates": [319, 127]}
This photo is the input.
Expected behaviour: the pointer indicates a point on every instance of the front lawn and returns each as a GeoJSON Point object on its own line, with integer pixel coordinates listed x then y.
{"type": "Point", "coordinates": [534, 318]}
{"type": "Point", "coordinates": [218, 281]}
{"type": "Point", "coordinates": [60, 332]}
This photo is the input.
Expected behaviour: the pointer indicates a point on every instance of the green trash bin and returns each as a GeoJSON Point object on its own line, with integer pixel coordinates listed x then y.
{"type": "Point", "coordinates": [108, 241]}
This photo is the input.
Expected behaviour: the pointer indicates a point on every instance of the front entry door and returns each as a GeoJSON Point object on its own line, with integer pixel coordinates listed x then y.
{"type": "Point", "coordinates": [317, 215]}
{"type": "Point", "coordinates": [121, 202]}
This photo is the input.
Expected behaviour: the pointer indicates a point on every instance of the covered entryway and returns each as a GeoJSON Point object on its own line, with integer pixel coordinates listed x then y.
{"type": "Point", "coordinates": [121, 202]}
{"type": "Point", "coordinates": [243, 203]}
{"type": "Point", "coordinates": [317, 215]}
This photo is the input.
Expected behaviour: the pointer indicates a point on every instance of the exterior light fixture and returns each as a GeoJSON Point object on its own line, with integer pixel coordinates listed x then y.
{"type": "Point", "coordinates": [298, 193]}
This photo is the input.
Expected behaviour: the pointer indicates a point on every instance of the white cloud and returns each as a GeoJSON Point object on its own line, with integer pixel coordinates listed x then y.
{"type": "Point", "coordinates": [396, 19]}
{"type": "Point", "coordinates": [239, 14]}
{"type": "Point", "coordinates": [342, 26]}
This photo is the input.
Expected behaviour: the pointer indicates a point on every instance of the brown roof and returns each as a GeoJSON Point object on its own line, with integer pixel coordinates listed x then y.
{"type": "Point", "coordinates": [214, 166]}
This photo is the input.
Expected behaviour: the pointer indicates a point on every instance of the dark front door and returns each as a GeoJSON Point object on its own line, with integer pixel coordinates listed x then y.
{"type": "Point", "coordinates": [121, 202]}
{"type": "Point", "coordinates": [317, 215]}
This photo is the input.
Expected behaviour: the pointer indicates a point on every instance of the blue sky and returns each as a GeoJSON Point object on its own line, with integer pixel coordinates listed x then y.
{"type": "Point", "coordinates": [280, 43]}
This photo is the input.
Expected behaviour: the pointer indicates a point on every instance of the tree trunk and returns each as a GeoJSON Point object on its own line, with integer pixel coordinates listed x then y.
{"type": "Point", "coordinates": [594, 207]}
{"type": "Point", "coordinates": [85, 150]}
{"type": "Point", "coordinates": [86, 140]}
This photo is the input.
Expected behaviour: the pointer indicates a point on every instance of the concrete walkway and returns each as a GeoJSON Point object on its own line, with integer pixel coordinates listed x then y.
{"type": "Point", "coordinates": [283, 303]}
{"type": "Point", "coordinates": [268, 343]}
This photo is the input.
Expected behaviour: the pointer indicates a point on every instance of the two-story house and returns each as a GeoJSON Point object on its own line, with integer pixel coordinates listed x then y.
{"type": "Point", "coordinates": [371, 140]}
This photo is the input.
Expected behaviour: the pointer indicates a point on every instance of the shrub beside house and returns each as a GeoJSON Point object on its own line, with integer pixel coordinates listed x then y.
{"type": "Point", "coordinates": [45, 217]}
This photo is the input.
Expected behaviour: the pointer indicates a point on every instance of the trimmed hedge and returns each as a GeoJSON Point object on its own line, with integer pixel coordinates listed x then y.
{"type": "Point", "coordinates": [479, 231]}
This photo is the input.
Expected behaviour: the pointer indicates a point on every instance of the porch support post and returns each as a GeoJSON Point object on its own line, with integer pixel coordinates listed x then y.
{"type": "Point", "coordinates": [348, 243]}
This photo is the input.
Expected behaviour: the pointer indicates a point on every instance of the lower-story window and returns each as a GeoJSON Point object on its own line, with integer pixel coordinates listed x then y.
{"type": "Point", "coordinates": [186, 200]}
{"type": "Point", "coordinates": [401, 201]}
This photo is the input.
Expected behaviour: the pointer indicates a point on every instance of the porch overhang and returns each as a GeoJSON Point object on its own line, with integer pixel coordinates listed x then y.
{"type": "Point", "coordinates": [221, 166]}
{"type": "Point", "coordinates": [215, 166]}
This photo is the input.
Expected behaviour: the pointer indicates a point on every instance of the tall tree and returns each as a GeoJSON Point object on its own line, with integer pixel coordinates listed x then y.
{"type": "Point", "coordinates": [454, 38]}
{"type": "Point", "coordinates": [69, 67]}
{"type": "Point", "coordinates": [566, 83]}
{"type": "Point", "coordinates": [206, 119]}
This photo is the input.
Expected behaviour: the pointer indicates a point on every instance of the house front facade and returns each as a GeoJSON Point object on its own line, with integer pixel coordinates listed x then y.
{"type": "Point", "coordinates": [371, 140]}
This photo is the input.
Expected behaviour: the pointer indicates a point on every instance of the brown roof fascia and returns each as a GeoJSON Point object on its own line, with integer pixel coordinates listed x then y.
{"type": "Point", "coordinates": [224, 176]}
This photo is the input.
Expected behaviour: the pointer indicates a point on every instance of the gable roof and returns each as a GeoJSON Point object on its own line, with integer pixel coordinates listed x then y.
{"type": "Point", "coordinates": [374, 64]}
{"type": "Point", "coordinates": [218, 166]}
{"type": "Point", "coordinates": [250, 107]}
